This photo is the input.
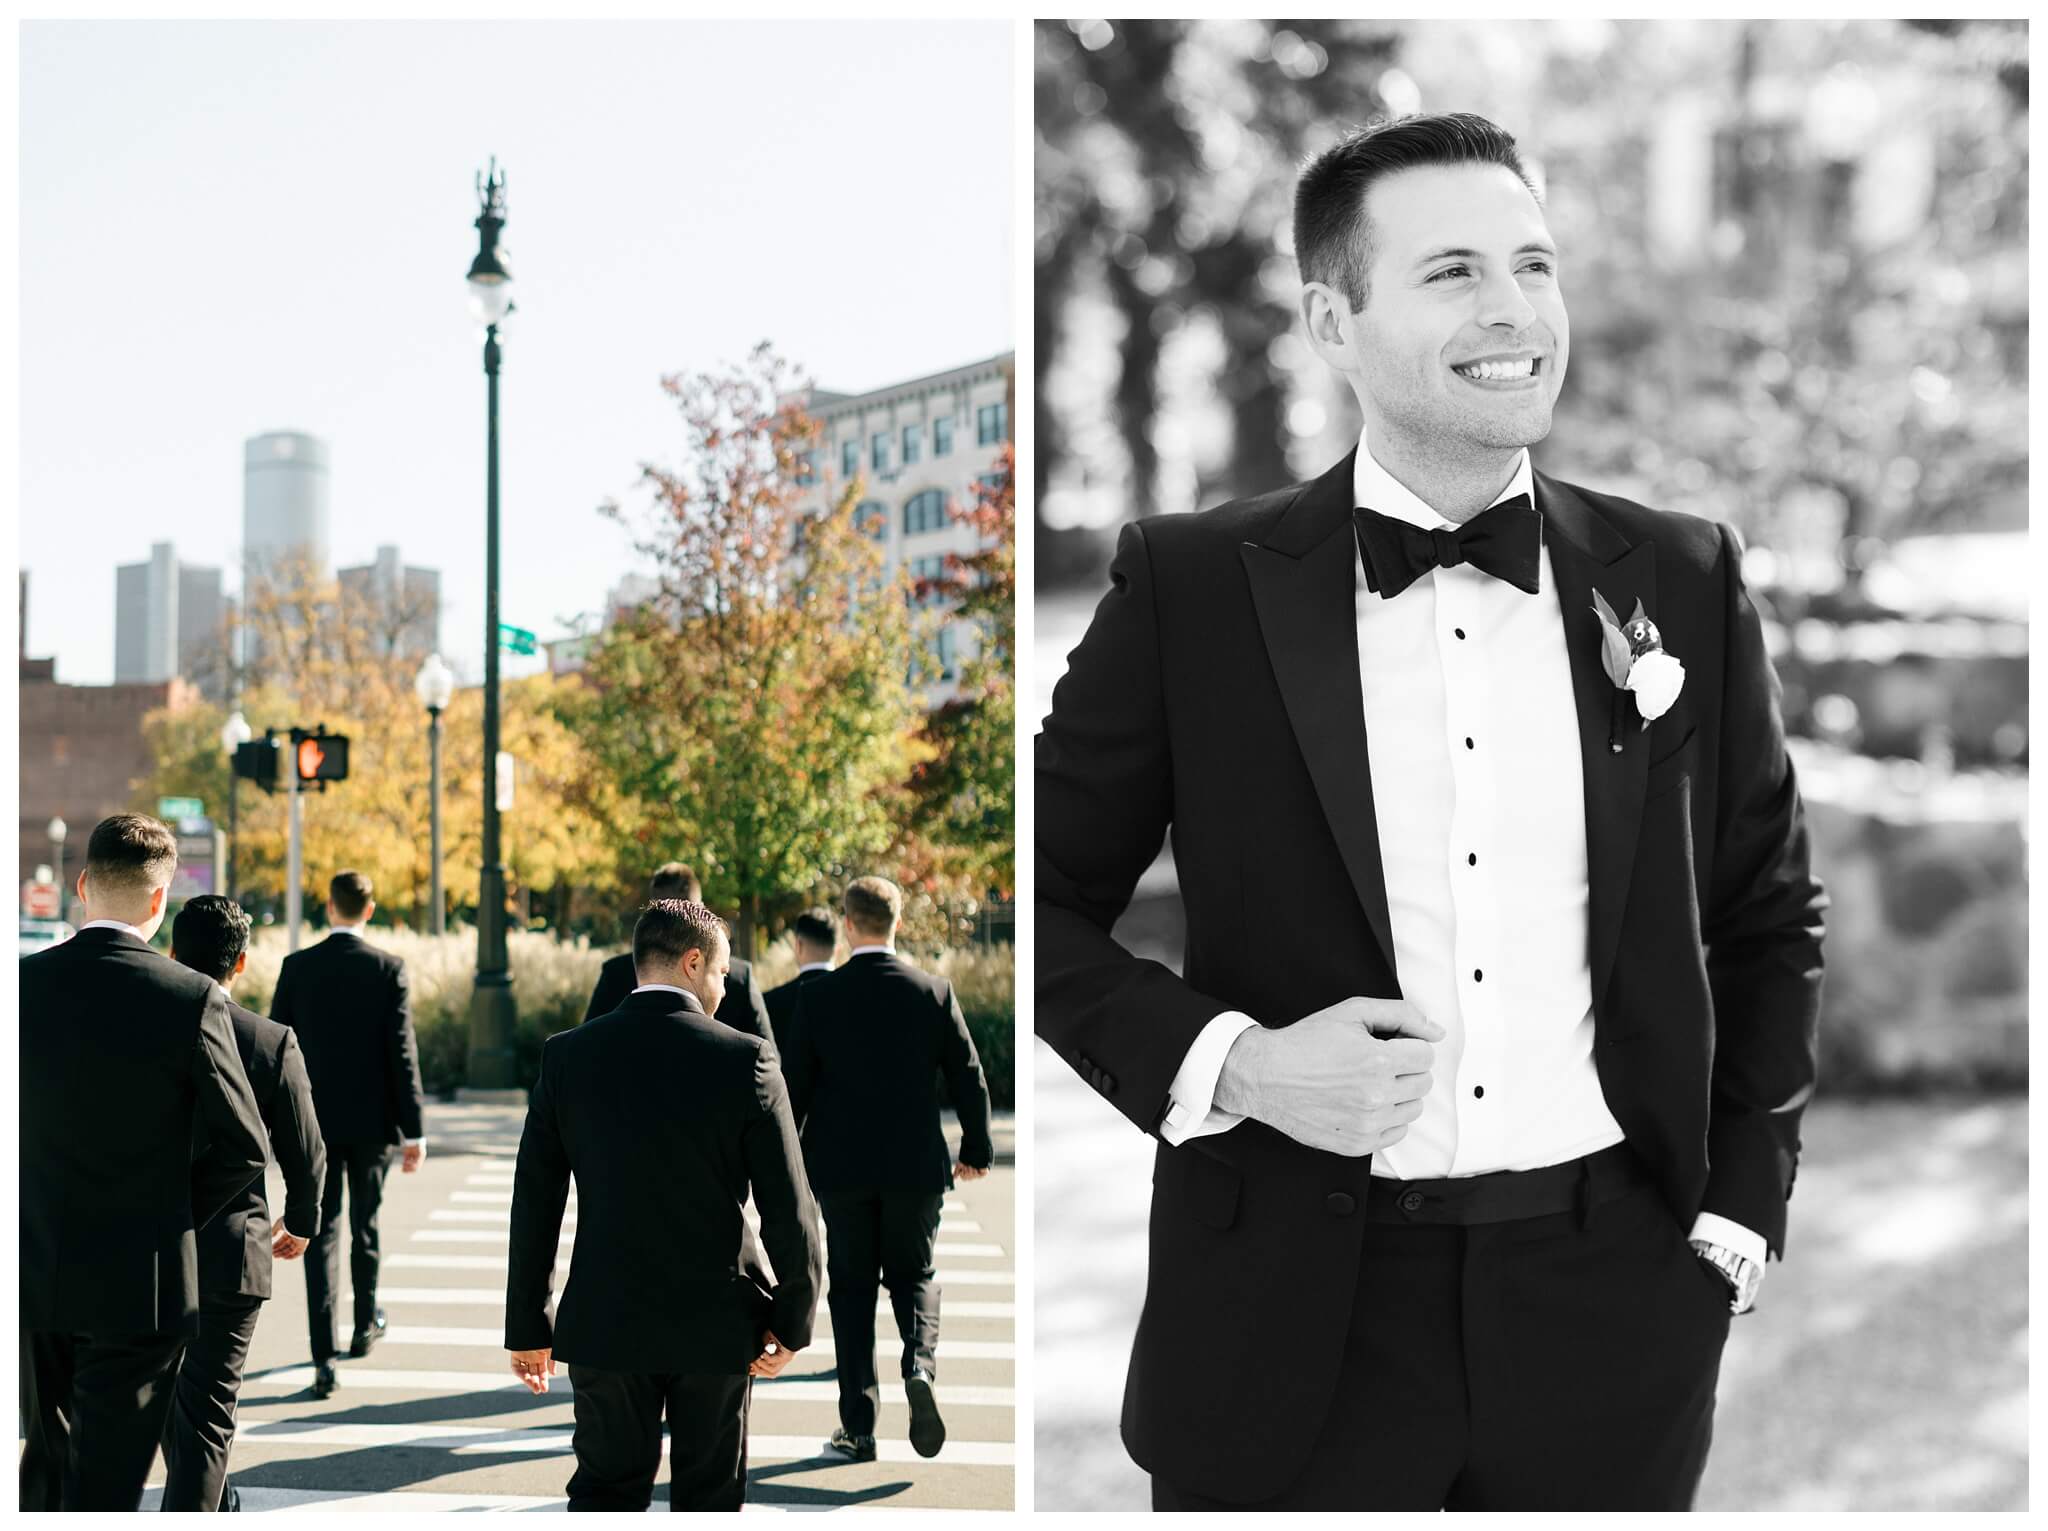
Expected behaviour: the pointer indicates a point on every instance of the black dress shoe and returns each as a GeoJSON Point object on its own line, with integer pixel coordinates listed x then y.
{"type": "Point", "coordinates": [324, 1380]}
{"type": "Point", "coordinates": [365, 1338]}
{"type": "Point", "coordinates": [861, 1448]}
{"type": "Point", "coordinates": [927, 1430]}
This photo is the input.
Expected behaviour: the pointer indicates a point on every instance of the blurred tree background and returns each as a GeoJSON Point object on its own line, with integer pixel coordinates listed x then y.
{"type": "Point", "coordinates": [1794, 255]}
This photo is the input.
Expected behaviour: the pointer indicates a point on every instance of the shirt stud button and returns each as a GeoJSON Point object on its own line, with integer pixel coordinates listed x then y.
{"type": "Point", "coordinates": [1412, 1202]}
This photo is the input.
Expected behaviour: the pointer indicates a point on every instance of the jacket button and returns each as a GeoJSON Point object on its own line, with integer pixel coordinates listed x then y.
{"type": "Point", "coordinates": [1339, 1204]}
{"type": "Point", "coordinates": [1412, 1202]}
{"type": "Point", "coordinates": [1109, 1084]}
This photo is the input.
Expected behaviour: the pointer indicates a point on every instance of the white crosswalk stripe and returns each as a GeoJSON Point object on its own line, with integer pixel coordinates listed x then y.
{"type": "Point", "coordinates": [491, 1296]}
{"type": "Point", "coordinates": [411, 1502]}
{"type": "Point", "coordinates": [463, 1439]}
{"type": "Point", "coordinates": [766, 1391]}
{"type": "Point", "coordinates": [495, 1215]}
{"type": "Point", "coordinates": [408, 1260]}
{"type": "Point", "coordinates": [494, 1339]}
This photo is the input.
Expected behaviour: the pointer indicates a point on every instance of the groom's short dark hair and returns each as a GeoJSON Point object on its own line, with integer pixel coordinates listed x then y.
{"type": "Point", "coordinates": [816, 926]}
{"type": "Point", "coordinates": [1332, 238]}
{"type": "Point", "coordinates": [669, 927]}
{"type": "Point", "coordinates": [130, 853]}
{"type": "Point", "coordinates": [674, 880]}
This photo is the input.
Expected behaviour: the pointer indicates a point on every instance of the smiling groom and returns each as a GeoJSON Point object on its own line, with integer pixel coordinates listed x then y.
{"type": "Point", "coordinates": [1477, 1096]}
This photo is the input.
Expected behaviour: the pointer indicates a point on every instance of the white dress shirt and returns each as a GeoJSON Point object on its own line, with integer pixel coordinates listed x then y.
{"type": "Point", "coordinates": [824, 967]}
{"type": "Point", "coordinates": [132, 930]}
{"type": "Point", "coordinates": [1470, 720]}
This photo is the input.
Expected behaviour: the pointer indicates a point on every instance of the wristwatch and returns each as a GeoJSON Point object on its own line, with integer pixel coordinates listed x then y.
{"type": "Point", "coordinates": [1743, 1275]}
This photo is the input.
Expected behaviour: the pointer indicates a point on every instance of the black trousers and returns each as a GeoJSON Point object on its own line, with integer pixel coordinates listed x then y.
{"type": "Point", "coordinates": [361, 1168]}
{"type": "Point", "coordinates": [92, 1410]}
{"type": "Point", "coordinates": [879, 1239]}
{"type": "Point", "coordinates": [1565, 1362]}
{"type": "Point", "coordinates": [201, 1425]}
{"type": "Point", "coordinates": [618, 1439]}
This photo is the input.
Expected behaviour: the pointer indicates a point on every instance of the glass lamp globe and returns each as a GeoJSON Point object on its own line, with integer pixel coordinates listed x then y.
{"type": "Point", "coordinates": [435, 684]}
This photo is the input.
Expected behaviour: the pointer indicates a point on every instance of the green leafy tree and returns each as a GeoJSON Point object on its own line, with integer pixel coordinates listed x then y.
{"type": "Point", "coordinates": [756, 717]}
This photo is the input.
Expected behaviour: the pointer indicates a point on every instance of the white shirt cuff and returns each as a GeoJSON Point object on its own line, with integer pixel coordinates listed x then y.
{"type": "Point", "coordinates": [1732, 1237]}
{"type": "Point", "coordinates": [1189, 1112]}
{"type": "Point", "coordinates": [421, 1141]}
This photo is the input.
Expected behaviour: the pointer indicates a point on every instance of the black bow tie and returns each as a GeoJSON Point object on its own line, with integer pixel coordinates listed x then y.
{"type": "Point", "coordinates": [1504, 540]}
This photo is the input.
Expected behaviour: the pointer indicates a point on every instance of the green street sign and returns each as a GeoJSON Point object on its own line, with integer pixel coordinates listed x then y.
{"type": "Point", "coordinates": [171, 809]}
{"type": "Point", "coordinates": [515, 640]}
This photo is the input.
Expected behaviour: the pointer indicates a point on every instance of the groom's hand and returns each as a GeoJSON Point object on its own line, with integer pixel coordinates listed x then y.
{"type": "Point", "coordinates": [773, 1357]}
{"type": "Point", "coordinates": [1348, 1079]}
{"type": "Point", "coordinates": [534, 1367]}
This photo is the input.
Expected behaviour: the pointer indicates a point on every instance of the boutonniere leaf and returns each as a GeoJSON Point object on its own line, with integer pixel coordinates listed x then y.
{"type": "Point", "coordinates": [1634, 658]}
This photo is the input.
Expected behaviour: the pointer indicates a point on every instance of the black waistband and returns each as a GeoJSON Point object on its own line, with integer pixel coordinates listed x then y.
{"type": "Point", "coordinates": [1501, 1197]}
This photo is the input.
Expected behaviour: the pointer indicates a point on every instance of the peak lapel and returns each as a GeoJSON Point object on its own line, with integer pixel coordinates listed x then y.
{"type": "Point", "coordinates": [1586, 553]}
{"type": "Point", "coordinates": [1303, 582]}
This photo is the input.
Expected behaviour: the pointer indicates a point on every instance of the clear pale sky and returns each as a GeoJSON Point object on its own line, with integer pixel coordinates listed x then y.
{"type": "Point", "coordinates": [234, 227]}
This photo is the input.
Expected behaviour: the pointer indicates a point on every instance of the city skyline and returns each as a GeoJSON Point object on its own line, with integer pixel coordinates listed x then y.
{"type": "Point", "coordinates": [305, 278]}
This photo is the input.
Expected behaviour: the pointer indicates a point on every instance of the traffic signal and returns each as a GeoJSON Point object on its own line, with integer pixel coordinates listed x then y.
{"type": "Point", "coordinates": [260, 761]}
{"type": "Point", "coordinates": [319, 756]}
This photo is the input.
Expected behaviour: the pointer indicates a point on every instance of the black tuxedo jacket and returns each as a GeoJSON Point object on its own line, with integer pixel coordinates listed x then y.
{"type": "Point", "coordinates": [780, 1003]}
{"type": "Point", "coordinates": [122, 1050]}
{"type": "Point", "coordinates": [741, 1008]}
{"type": "Point", "coordinates": [666, 1118]}
{"type": "Point", "coordinates": [351, 1007]}
{"type": "Point", "coordinates": [867, 1044]}
{"type": "Point", "coordinates": [1217, 693]}
{"type": "Point", "coordinates": [234, 1247]}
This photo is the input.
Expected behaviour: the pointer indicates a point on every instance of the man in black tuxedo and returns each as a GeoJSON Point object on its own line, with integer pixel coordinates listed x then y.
{"type": "Point", "coordinates": [211, 937]}
{"type": "Point", "coordinates": [351, 1008]}
{"type": "Point", "coordinates": [741, 1008]}
{"type": "Point", "coordinates": [122, 1053]}
{"type": "Point", "coordinates": [867, 1043]}
{"type": "Point", "coordinates": [666, 1119]}
{"type": "Point", "coordinates": [815, 938]}
{"type": "Point", "coordinates": [1478, 1092]}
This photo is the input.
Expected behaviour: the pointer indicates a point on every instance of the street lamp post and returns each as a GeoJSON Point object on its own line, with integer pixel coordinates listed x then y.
{"type": "Point", "coordinates": [435, 686]}
{"type": "Point", "coordinates": [233, 735]}
{"type": "Point", "coordinates": [492, 1008]}
{"type": "Point", "coordinates": [58, 829]}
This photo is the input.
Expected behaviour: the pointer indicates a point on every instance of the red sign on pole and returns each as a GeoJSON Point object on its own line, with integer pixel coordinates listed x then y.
{"type": "Point", "coordinates": [39, 900]}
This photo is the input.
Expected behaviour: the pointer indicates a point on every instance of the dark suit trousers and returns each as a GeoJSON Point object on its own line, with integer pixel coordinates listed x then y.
{"type": "Point", "coordinates": [201, 1426]}
{"type": "Point", "coordinates": [618, 1439]}
{"type": "Point", "coordinates": [92, 1410]}
{"type": "Point", "coordinates": [361, 1168]}
{"type": "Point", "coordinates": [1553, 1363]}
{"type": "Point", "coordinates": [887, 1235]}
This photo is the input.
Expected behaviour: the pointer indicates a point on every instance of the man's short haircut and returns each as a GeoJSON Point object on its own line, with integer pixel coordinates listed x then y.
{"type": "Point", "coordinates": [130, 853]}
{"type": "Point", "coordinates": [873, 903]}
{"type": "Point", "coordinates": [1333, 240]}
{"type": "Point", "coordinates": [817, 927]}
{"type": "Point", "coordinates": [210, 934]}
{"type": "Point", "coordinates": [674, 880]}
{"type": "Point", "coordinates": [350, 893]}
{"type": "Point", "coordinates": [669, 927]}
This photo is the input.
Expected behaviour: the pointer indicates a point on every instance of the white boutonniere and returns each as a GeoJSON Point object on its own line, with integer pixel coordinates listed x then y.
{"type": "Point", "coordinates": [1633, 654]}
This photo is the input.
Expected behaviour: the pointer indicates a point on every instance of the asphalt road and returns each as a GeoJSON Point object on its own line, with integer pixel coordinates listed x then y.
{"type": "Point", "coordinates": [432, 1418]}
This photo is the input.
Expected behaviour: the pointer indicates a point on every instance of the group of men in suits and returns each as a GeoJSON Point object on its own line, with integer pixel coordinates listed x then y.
{"type": "Point", "coordinates": [151, 1104]}
{"type": "Point", "coordinates": [685, 1093]}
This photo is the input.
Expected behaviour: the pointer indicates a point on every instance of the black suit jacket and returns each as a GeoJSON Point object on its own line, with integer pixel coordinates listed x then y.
{"type": "Point", "coordinates": [741, 1008]}
{"type": "Point", "coordinates": [780, 1003]}
{"type": "Point", "coordinates": [234, 1247]}
{"type": "Point", "coordinates": [867, 1044]}
{"type": "Point", "coordinates": [1217, 693]}
{"type": "Point", "coordinates": [666, 1119]}
{"type": "Point", "coordinates": [351, 1007]}
{"type": "Point", "coordinates": [122, 1050]}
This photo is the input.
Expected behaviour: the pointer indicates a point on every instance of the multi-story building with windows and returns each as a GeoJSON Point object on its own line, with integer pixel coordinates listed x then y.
{"type": "Point", "coordinates": [167, 621]}
{"type": "Point", "coordinates": [402, 602]}
{"type": "Point", "coordinates": [917, 447]}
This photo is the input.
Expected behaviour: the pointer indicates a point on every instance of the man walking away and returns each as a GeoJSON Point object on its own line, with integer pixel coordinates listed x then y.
{"type": "Point", "coordinates": [666, 1119]}
{"type": "Point", "coordinates": [352, 1010]}
{"type": "Point", "coordinates": [211, 937]}
{"type": "Point", "coordinates": [865, 1044]}
{"type": "Point", "coordinates": [741, 1008]}
{"type": "Point", "coordinates": [121, 1053]}
{"type": "Point", "coordinates": [815, 936]}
